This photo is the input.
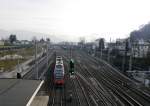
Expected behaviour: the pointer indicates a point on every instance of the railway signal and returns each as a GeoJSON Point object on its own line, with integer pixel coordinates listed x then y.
{"type": "Point", "coordinates": [18, 75]}
{"type": "Point", "coordinates": [71, 71]}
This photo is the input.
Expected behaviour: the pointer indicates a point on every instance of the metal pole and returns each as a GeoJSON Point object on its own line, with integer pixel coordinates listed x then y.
{"type": "Point", "coordinates": [126, 50]}
{"type": "Point", "coordinates": [37, 62]}
{"type": "Point", "coordinates": [18, 63]}
{"type": "Point", "coordinates": [36, 65]}
{"type": "Point", "coordinates": [95, 51]}
{"type": "Point", "coordinates": [70, 52]}
{"type": "Point", "coordinates": [47, 55]}
{"type": "Point", "coordinates": [123, 62]}
{"type": "Point", "coordinates": [130, 61]}
{"type": "Point", "coordinates": [124, 58]}
{"type": "Point", "coordinates": [108, 58]}
{"type": "Point", "coordinates": [18, 66]}
{"type": "Point", "coordinates": [101, 51]}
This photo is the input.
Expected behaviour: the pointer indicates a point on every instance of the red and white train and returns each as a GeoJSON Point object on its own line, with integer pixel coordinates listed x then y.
{"type": "Point", "coordinates": [59, 71]}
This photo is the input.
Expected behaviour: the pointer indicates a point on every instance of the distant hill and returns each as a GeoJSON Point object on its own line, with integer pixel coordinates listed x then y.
{"type": "Point", "coordinates": [142, 33]}
{"type": "Point", "coordinates": [28, 35]}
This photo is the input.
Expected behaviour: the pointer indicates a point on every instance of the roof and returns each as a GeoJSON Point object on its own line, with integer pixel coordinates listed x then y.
{"type": "Point", "coordinates": [18, 92]}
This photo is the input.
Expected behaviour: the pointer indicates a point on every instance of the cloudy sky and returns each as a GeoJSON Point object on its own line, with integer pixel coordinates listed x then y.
{"type": "Point", "coordinates": [75, 18]}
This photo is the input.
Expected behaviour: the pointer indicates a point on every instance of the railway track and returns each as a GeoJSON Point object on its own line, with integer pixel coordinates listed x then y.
{"type": "Point", "coordinates": [102, 95]}
{"type": "Point", "coordinates": [31, 74]}
{"type": "Point", "coordinates": [128, 85]}
{"type": "Point", "coordinates": [93, 92]}
{"type": "Point", "coordinates": [104, 85]}
{"type": "Point", "coordinates": [115, 81]}
{"type": "Point", "coordinates": [79, 94]}
{"type": "Point", "coordinates": [58, 96]}
{"type": "Point", "coordinates": [134, 93]}
{"type": "Point", "coordinates": [82, 97]}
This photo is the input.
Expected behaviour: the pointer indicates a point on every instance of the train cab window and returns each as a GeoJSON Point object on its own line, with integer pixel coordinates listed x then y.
{"type": "Point", "coordinates": [59, 57]}
{"type": "Point", "coordinates": [58, 66]}
{"type": "Point", "coordinates": [59, 70]}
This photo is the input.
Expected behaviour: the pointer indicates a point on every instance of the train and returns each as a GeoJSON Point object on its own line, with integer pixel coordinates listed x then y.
{"type": "Point", "coordinates": [59, 73]}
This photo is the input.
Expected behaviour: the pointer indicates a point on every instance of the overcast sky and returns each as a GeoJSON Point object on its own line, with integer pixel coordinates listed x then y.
{"type": "Point", "coordinates": [74, 18]}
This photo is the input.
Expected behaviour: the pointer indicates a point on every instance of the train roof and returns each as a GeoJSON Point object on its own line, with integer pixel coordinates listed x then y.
{"type": "Point", "coordinates": [59, 60]}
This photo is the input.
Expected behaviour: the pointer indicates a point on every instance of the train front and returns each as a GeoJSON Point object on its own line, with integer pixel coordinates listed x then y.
{"type": "Point", "coordinates": [59, 72]}
{"type": "Point", "coordinates": [59, 79]}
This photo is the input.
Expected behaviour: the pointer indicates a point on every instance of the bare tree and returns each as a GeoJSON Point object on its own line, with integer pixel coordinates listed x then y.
{"type": "Point", "coordinates": [12, 38]}
{"type": "Point", "coordinates": [48, 39]}
{"type": "Point", "coordinates": [82, 40]}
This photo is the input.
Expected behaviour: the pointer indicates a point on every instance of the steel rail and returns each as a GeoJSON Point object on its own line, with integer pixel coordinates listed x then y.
{"type": "Point", "coordinates": [128, 96]}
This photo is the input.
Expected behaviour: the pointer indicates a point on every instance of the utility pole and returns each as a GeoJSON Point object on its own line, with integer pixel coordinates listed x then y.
{"type": "Point", "coordinates": [36, 61]}
{"type": "Point", "coordinates": [47, 54]}
{"type": "Point", "coordinates": [18, 66]}
{"type": "Point", "coordinates": [94, 51]}
{"type": "Point", "coordinates": [130, 61]}
{"type": "Point", "coordinates": [71, 52]}
{"type": "Point", "coordinates": [101, 47]}
{"type": "Point", "coordinates": [101, 52]}
{"type": "Point", "coordinates": [125, 57]}
{"type": "Point", "coordinates": [19, 71]}
{"type": "Point", "coordinates": [108, 57]}
{"type": "Point", "coordinates": [123, 63]}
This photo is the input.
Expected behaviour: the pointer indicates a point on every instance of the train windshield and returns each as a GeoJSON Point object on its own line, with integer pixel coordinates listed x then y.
{"type": "Point", "coordinates": [59, 77]}
{"type": "Point", "coordinates": [58, 66]}
{"type": "Point", "coordinates": [59, 70]}
{"type": "Point", "coordinates": [59, 59]}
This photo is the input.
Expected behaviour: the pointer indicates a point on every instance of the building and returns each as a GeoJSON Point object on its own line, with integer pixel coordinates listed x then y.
{"type": "Point", "coordinates": [140, 48]}
{"type": "Point", "coordinates": [25, 42]}
{"type": "Point", "coordinates": [16, 43]}
{"type": "Point", "coordinates": [96, 43]}
{"type": "Point", "coordinates": [100, 44]}
{"type": "Point", "coordinates": [90, 46]}
{"type": "Point", "coordinates": [121, 44]}
{"type": "Point", "coordinates": [2, 43]}
{"type": "Point", "coordinates": [111, 46]}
